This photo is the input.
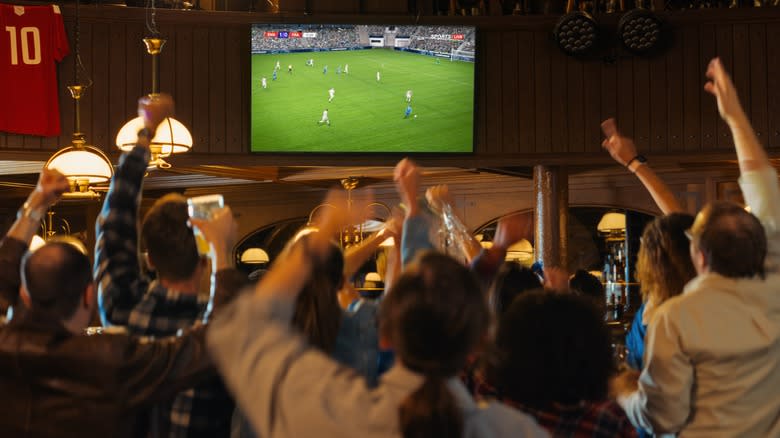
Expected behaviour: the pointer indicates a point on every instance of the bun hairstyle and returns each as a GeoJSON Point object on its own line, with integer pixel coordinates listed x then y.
{"type": "Point", "coordinates": [434, 316]}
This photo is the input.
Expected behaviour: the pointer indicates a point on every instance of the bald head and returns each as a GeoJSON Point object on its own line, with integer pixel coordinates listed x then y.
{"type": "Point", "coordinates": [731, 240]}
{"type": "Point", "coordinates": [56, 277]}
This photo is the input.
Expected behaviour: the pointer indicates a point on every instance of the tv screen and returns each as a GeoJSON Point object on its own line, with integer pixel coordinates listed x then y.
{"type": "Point", "coordinates": [362, 88]}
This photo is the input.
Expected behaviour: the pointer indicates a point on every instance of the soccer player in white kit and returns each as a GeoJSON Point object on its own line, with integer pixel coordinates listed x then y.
{"type": "Point", "coordinates": [378, 76]}
{"type": "Point", "coordinates": [264, 82]}
{"type": "Point", "coordinates": [408, 96]}
{"type": "Point", "coordinates": [346, 69]}
{"type": "Point", "coordinates": [277, 67]}
{"type": "Point", "coordinates": [331, 93]}
{"type": "Point", "coordinates": [325, 118]}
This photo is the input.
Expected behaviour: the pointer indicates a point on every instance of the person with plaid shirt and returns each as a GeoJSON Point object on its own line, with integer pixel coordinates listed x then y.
{"type": "Point", "coordinates": [162, 307]}
{"type": "Point", "coordinates": [553, 360]}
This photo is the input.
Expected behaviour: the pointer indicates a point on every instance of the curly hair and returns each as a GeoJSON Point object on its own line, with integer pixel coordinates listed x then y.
{"type": "Point", "coordinates": [664, 262]}
{"type": "Point", "coordinates": [551, 348]}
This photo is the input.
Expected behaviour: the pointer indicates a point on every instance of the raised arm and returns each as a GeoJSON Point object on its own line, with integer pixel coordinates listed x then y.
{"type": "Point", "coordinates": [271, 371]}
{"type": "Point", "coordinates": [355, 256]}
{"type": "Point", "coordinates": [750, 153]}
{"type": "Point", "coordinates": [439, 199]}
{"type": "Point", "coordinates": [623, 150]}
{"type": "Point", "coordinates": [51, 185]}
{"type": "Point", "coordinates": [117, 269]}
{"type": "Point", "coordinates": [416, 230]}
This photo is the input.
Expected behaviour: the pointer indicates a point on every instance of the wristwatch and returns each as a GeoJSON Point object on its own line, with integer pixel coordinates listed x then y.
{"type": "Point", "coordinates": [28, 211]}
{"type": "Point", "coordinates": [634, 163]}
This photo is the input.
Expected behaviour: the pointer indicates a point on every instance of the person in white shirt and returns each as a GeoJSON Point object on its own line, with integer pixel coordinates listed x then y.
{"type": "Point", "coordinates": [434, 317]}
{"type": "Point", "coordinates": [346, 69]}
{"type": "Point", "coordinates": [324, 118]}
{"type": "Point", "coordinates": [331, 94]}
{"type": "Point", "coordinates": [408, 96]}
{"type": "Point", "coordinates": [713, 353]}
{"type": "Point", "coordinates": [264, 82]}
{"type": "Point", "coordinates": [378, 76]}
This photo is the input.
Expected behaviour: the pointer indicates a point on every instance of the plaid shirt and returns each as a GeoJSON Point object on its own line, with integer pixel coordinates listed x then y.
{"type": "Point", "coordinates": [146, 308]}
{"type": "Point", "coordinates": [588, 419]}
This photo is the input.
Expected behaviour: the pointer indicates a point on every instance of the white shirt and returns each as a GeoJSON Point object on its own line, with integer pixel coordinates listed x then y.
{"type": "Point", "coordinates": [289, 389]}
{"type": "Point", "coordinates": [713, 353]}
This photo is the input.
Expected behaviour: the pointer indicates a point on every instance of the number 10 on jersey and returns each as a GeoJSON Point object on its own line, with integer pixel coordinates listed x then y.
{"type": "Point", "coordinates": [24, 37]}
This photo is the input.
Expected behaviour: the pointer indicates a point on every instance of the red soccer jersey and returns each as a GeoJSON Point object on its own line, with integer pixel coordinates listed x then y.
{"type": "Point", "coordinates": [32, 40]}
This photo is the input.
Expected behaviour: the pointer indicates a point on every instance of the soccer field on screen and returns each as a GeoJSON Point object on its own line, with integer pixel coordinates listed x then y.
{"type": "Point", "coordinates": [365, 115]}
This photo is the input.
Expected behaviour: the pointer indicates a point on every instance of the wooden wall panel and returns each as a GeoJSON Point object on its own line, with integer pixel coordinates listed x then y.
{"type": "Point", "coordinates": [493, 102]}
{"type": "Point", "coordinates": [559, 136]}
{"type": "Point", "coordinates": [675, 109]}
{"type": "Point", "coordinates": [773, 85]}
{"type": "Point", "coordinates": [525, 97]}
{"type": "Point", "coordinates": [659, 85]}
{"type": "Point", "coordinates": [510, 99]}
{"type": "Point", "coordinates": [542, 86]}
{"type": "Point", "coordinates": [531, 99]}
{"type": "Point", "coordinates": [216, 90]}
{"type": "Point", "coordinates": [200, 89]}
{"type": "Point", "coordinates": [708, 109]}
{"type": "Point", "coordinates": [758, 80]}
{"type": "Point", "coordinates": [691, 95]}
{"type": "Point", "coordinates": [642, 111]}
{"type": "Point", "coordinates": [575, 114]}
{"type": "Point", "coordinates": [183, 89]}
{"type": "Point", "coordinates": [234, 89]}
{"type": "Point", "coordinates": [117, 96]}
{"type": "Point", "coordinates": [592, 94]}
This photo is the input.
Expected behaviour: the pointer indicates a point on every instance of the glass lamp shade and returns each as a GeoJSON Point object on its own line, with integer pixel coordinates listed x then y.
{"type": "Point", "coordinates": [172, 137]}
{"type": "Point", "coordinates": [521, 251]}
{"type": "Point", "coordinates": [37, 242]}
{"type": "Point", "coordinates": [80, 163]}
{"type": "Point", "coordinates": [612, 222]}
{"type": "Point", "coordinates": [254, 256]}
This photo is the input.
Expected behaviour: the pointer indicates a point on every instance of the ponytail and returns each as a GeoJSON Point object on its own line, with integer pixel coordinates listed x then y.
{"type": "Point", "coordinates": [431, 410]}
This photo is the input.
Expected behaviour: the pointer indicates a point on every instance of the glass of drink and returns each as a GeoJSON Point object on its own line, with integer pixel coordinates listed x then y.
{"type": "Point", "coordinates": [202, 207]}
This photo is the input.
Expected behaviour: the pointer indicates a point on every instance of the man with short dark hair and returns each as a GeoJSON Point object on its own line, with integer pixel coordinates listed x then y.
{"type": "Point", "coordinates": [712, 360]}
{"type": "Point", "coordinates": [167, 305]}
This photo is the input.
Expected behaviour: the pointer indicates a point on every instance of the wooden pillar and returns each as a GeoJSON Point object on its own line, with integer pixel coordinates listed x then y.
{"type": "Point", "coordinates": [551, 211]}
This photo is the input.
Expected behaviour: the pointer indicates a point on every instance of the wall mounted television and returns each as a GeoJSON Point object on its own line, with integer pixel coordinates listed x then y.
{"type": "Point", "coordinates": [362, 88]}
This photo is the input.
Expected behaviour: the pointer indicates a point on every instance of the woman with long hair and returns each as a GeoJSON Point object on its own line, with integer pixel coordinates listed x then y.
{"type": "Point", "coordinates": [433, 317]}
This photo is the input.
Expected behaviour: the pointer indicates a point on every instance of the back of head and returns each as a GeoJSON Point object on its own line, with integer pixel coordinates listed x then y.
{"type": "Point", "coordinates": [512, 280]}
{"type": "Point", "coordinates": [732, 240]}
{"type": "Point", "coordinates": [434, 316]}
{"type": "Point", "coordinates": [664, 261]}
{"type": "Point", "coordinates": [169, 239]}
{"type": "Point", "coordinates": [56, 276]}
{"type": "Point", "coordinates": [588, 285]}
{"type": "Point", "coordinates": [551, 348]}
{"type": "Point", "coordinates": [317, 310]}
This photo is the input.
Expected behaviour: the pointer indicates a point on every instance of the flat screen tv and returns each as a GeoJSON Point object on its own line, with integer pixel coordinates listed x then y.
{"type": "Point", "coordinates": [362, 88]}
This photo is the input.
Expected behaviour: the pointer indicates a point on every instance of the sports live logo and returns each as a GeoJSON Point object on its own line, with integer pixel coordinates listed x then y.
{"type": "Point", "coordinates": [283, 34]}
{"type": "Point", "coordinates": [458, 36]}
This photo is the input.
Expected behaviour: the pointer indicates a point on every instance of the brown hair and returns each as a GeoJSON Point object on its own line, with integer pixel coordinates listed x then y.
{"type": "Point", "coordinates": [732, 240]}
{"type": "Point", "coordinates": [317, 310]}
{"type": "Point", "coordinates": [169, 239]}
{"type": "Point", "coordinates": [434, 316]}
{"type": "Point", "coordinates": [664, 261]}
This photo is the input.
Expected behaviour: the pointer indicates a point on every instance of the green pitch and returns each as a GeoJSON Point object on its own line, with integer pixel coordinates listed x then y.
{"type": "Point", "coordinates": [365, 115]}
